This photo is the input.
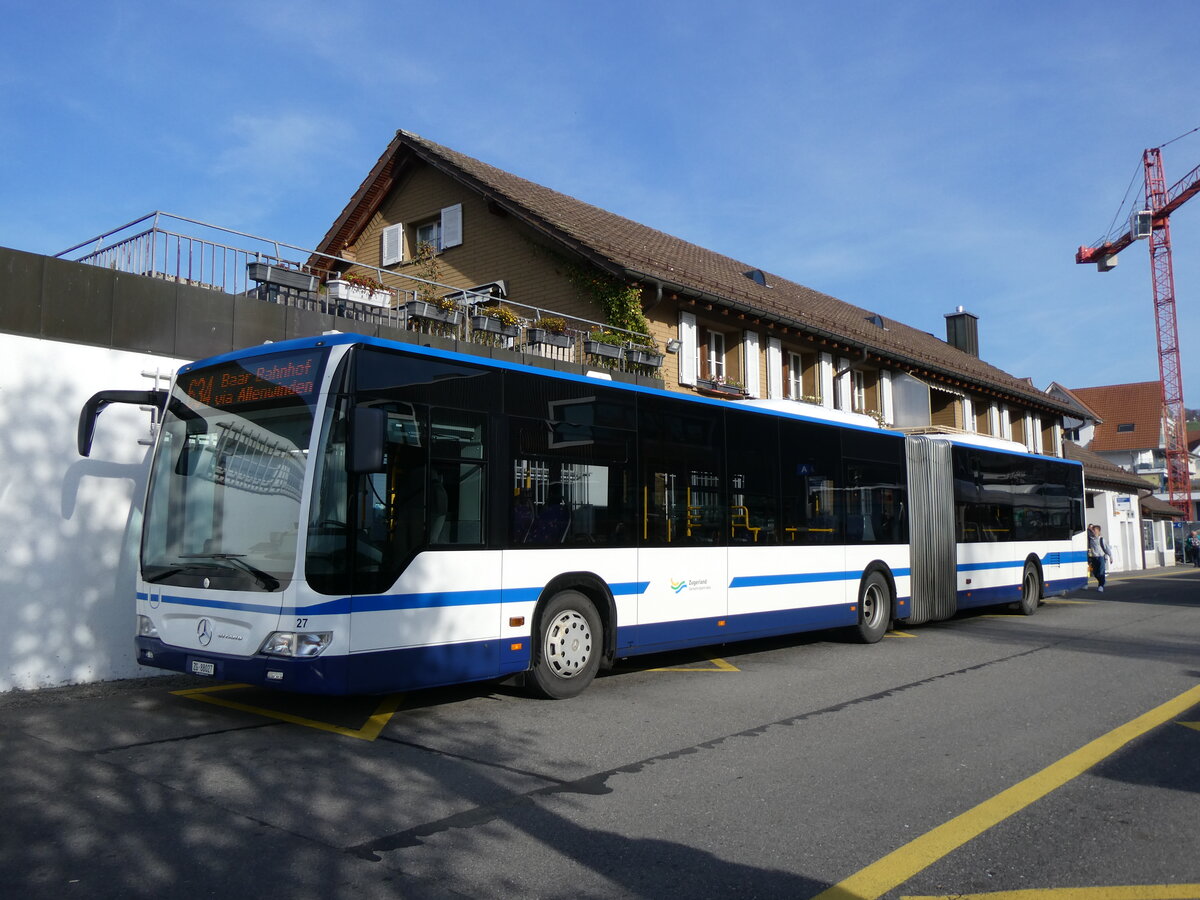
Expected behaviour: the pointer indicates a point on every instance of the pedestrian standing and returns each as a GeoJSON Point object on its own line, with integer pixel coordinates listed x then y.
{"type": "Point", "coordinates": [1099, 555]}
{"type": "Point", "coordinates": [1193, 546]}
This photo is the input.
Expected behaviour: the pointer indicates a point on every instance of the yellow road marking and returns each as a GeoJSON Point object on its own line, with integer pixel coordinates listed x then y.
{"type": "Point", "coordinates": [719, 664]}
{"type": "Point", "coordinates": [1195, 725]}
{"type": "Point", "coordinates": [1060, 600]}
{"type": "Point", "coordinates": [1123, 892]}
{"type": "Point", "coordinates": [899, 634]}
{"type": "Point", "coordinates": [901, 864]}
{"type": "Point", "coordinates": [368, 732]}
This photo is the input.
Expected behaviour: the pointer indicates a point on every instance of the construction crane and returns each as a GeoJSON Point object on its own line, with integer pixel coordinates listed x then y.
{"type": "Point", "coordinates": [1153, 223]}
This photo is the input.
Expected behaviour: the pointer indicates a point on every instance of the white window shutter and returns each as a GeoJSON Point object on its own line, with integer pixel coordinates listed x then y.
{"type": "Point", "coordinates": [826, 374]}
{"type": "Point", "coordinates": [774, 369]}
{"type": "Point", "coordinates": [452, 234]}
{"type": "Point", "coordinates": [845, 387]}
{"type": "Point", "coordinates": [392, 245]}
{"type": "Point", "coordinates": [688, 349]}
{"type": "Point", "coordinates": [750, 363]}
{"type": "Point", "coordinates": [885, 396]}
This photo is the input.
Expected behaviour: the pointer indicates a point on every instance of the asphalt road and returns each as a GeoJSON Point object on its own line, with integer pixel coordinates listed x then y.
{"type": "Point", "coordinates": [988, 754]}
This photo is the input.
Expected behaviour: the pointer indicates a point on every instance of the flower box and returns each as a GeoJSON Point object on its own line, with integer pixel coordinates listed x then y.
{"type": "Point", "coordinates": [720, 388]}
{"type": "Point", "coordinates": [599, 348]}
{"type": "Point", "coordinates": [422, 309]}
{"type": "Point", "coordinates": [492, 325]}
{"type": "Point", "coordinates": [644, 356]}
{"type": "Point", "coordinates": [550, 338]}
{"type": "Point", "coordinates": [355, 293]}
{"type": "Point", "coordinates": [265, 273]}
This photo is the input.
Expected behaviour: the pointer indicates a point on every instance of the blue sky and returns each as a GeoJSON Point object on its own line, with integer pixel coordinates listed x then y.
{"type": "Point", "coordinates": [906, 157]}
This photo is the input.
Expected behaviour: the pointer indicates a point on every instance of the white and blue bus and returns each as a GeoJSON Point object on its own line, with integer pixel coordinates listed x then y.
{"type": "Point", "coordinates": [350, 515]}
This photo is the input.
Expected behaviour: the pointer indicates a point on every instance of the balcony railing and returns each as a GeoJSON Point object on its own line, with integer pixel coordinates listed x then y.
{"type": "Point", "coordinates": [175, 248]}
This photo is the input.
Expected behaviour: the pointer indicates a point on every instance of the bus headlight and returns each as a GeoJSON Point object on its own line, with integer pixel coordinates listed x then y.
{"type": "Point", "coordinates": [145, 627]}
{"type": "Point", "coordinates": [299, 644]}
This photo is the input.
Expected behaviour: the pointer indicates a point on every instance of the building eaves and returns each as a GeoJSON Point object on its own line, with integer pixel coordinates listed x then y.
{"type": "Point", "coordinates": [1082, 409]}
{"type": "Point", "coordinates": [1101, 474]}
{"type": "Point", "coordinates": [1153, 508]}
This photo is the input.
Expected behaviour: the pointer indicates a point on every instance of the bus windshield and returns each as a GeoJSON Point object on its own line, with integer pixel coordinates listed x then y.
{"type": "Point", "coordinates": [223, 509]}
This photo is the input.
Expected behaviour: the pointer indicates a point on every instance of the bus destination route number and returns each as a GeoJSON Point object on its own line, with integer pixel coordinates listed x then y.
{"type": "Point", "coordinates": [253, 381]}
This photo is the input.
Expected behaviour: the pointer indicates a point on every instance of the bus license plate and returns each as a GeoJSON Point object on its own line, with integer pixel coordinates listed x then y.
{"type": "Point", "coordinates": [200, 667]}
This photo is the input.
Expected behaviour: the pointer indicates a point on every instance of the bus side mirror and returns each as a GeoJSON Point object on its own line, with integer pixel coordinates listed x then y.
{"type": "Point", "coordinates": [369, 430]}
{"type": "Point", "coordinates": [91, 411]}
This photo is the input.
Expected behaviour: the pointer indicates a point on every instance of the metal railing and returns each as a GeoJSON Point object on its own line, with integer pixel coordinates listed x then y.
{"type": "Point", "coordinates": [234, 262]}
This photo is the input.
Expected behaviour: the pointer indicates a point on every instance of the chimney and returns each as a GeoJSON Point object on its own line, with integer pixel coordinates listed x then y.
{"type": "Point", "coordinates": [962, 331]}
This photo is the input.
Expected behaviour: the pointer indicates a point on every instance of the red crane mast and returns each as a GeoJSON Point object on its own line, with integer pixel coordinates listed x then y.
{"type": "Point", "coordinates": [1153, 223]}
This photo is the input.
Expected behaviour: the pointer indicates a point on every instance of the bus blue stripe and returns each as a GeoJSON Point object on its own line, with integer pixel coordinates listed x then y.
{"type": "Point", "coordinates": [742, 581]}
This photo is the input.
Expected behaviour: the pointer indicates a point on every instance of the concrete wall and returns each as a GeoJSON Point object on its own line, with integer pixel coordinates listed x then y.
{"type": "Point", "coordinates": [69, 524]}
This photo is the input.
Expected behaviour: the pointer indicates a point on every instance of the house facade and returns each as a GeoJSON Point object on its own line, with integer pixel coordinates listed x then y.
{"type": "Point", "coordinates": [720, 326]}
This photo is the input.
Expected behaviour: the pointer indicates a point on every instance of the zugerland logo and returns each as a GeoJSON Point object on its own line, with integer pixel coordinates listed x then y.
{"type": "Point", "coordinates": [689, 584]}
{"type": "Point", "coordinates": [677, 586]}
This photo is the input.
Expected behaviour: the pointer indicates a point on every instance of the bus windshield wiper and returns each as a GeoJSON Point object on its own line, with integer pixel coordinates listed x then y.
{"type": "Point", "coordinates": [264, 579]}
{"type": "Point", "coordinates": [166, 573]}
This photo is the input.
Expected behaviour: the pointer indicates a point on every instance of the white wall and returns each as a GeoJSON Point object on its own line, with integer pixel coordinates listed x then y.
{"type": "Point", "coordinates": [69, 525]}
{"type": "Point", "coordinates": [1119, 518]}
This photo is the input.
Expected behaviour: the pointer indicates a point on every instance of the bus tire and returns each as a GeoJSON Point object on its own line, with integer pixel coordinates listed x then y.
{"type": "Point", "coordinates": [1031, 589]}
{"type": "Point", "coordinates": [874, 608]}
{"type": "Point", "coordinates": [571, 642]}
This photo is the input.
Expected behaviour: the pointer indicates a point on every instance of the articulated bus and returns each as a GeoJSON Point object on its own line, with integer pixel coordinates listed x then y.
{"type": "Point", "coordinates": [350, 515]}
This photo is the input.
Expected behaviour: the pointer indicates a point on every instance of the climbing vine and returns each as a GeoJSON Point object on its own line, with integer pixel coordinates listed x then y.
{"type": "Point", "coordinates": [621, 303]}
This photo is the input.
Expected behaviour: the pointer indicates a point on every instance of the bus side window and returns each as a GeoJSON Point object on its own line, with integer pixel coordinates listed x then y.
{"type": "Point", "coordinates": [752, 449]}
{"type": "Point", "coordinates": [809, 483]}
{"type": "Point", "coordinates": [682, 490]}
{"type": "Point", "coordinates": [455, 507]}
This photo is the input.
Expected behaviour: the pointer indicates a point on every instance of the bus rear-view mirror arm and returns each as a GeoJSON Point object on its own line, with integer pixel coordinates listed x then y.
{"type": "Point", "coordinates": [91, 411]}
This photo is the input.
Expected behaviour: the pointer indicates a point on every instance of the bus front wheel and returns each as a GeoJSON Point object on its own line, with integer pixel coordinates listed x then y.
{"type": "Point", "coordinates": [874, 608]}
{"type": "Point", "coordinates": [569, 650]}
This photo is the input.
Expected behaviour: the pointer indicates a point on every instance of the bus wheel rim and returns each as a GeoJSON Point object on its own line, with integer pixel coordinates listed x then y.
{"type": "Point", "coordinates": [872, 604]}
{"type": "Point", "coordinates": [568, 643]}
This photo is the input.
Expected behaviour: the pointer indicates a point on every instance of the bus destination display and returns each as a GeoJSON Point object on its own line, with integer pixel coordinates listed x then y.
{"type": "Point", "coordinates": [275, 378]}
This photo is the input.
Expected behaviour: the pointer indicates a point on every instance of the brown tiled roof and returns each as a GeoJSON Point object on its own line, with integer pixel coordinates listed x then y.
{"type": "Point", "coordinates": [629, 249]}
{"type": "Point", "coordinates": [1139, 404]}
{"type": "Point", "coordinates": [1101, 474]}
{"type": "Point", "coordinates": [1154, 508]}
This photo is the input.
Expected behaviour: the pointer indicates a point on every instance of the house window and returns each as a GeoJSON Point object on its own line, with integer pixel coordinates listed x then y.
{"type": "Point", "coordinates": [440, 232]}
{"type": "Point", "coordinates": [801, 378]}
{"type": "Point", "coordinates": [430, 233]}
{"type": "Point", "coordinates": [859, 388]}
{"type": "Point", "coordinates": [711, 355]}
{"type": "Point", "coordinates": [1125, 427]}
{"type": "Point", "coordinates": [795, 376]}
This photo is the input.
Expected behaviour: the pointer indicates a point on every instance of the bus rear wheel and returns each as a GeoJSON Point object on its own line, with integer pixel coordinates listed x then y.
{"type": "Point", "coordinates": [874, 608]}
{"type": "Point", "coordinates": [569, 649]}
{"type": "Point", "coordinates": [1031, 590]}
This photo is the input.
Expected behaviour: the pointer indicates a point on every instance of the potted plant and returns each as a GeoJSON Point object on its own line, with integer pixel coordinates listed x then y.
{"type": "Point", "coordinates": [360, 288]}
{"type": "Point", "coordinates": [644, 354]}
{"type": "Point", "coordinates": [266, 273]}
{"type": "Point", "coordinates": [722, 386]}
{"type": "Point", "coordinates": [605, 344]}
{"type": "Point", "coordinates": [550, 330]}
{"type": "Point", "coordinates": [498, 320]}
